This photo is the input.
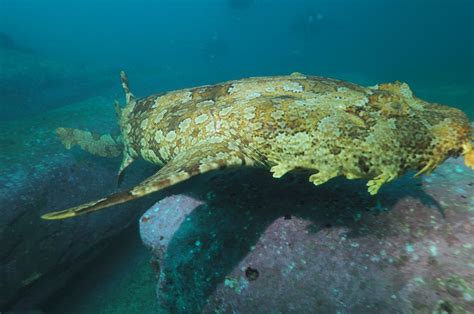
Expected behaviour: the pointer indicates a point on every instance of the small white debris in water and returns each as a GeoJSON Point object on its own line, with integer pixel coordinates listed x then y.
{"type": "Point", "coordinates": [419, 280]}
{"type": "Point", "coordinates": [210, 196]}
{"type": "Point", "coordinates": [460, 190]}
{"type": "Point", "coordinates": [375, 259]}
{"type": "Point", "coordinates": [468, 297]}
{"type": "Point", "coordinates": [433, 250]}
{"type": "Point", "coordinates": [291, 266]}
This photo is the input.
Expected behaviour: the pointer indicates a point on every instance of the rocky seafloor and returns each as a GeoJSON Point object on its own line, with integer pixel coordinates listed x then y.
{"type": "Point", "coordinates": [253, 244]}
{"type": "Point", "coordinates": [36, 175]}
{"type": "Point", "coordinates": [243, 242]}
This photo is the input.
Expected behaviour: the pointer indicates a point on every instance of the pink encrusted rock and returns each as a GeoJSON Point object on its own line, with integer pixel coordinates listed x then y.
{"type": "Point", "coordinates": [260, 245]}
{"type": "Point", "coordinates": [162, 220]}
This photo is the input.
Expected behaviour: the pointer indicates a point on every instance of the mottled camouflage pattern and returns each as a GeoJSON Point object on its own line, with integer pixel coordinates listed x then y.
{"type": "Point", "coordinates": [101, 145]}
{"type": "Point", "coordinates": [329, 127]}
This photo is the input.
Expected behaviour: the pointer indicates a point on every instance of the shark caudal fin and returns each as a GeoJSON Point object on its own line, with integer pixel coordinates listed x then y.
{"type": "Point", "coordinates": [194, 161]}
{"type": "Point", "coordinates": [104, 145]}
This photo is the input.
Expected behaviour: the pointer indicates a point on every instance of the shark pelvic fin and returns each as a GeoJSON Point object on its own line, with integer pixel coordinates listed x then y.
{"type": "Point", "coordinates": [126, 161]}
{"type": "Point", "coordinates": [199, 159]}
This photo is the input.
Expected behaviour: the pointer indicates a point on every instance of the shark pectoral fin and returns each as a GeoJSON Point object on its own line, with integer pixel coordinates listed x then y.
{"type": "Point", "coordinates": [113, 199]}
{"type": "Point", "coordinates": [376, 183]}
{"type": "Point", "coordinates": [197, 160]}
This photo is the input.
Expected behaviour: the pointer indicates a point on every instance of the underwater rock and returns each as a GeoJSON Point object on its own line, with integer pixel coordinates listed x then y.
{"type": "Point", "coordinates": [37, 257]}
{"type": "Point", "coordinates": [160, 222]}
{"type": "Point", "coordinates": [6, 41]}
{"type": "Point", "coordinates": [31, 83]}
{"type": "Point", "coordinates": [259, 246]}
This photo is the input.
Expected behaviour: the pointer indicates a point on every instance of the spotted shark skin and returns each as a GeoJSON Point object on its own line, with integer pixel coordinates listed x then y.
{"type": "Point", "coordinates": [329, 127]}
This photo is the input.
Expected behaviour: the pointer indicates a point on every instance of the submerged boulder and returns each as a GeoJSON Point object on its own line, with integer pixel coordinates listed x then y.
{"type": "Point", "coordinates": [31, 83]}
{"type": "Point", "coordinates": [38, 174]}
{"type": "Point", "coordinates": [254, 244]}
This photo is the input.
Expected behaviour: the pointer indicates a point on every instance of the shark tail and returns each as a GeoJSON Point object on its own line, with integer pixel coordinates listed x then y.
{"type": "Point", "coordinates": [104, 145]}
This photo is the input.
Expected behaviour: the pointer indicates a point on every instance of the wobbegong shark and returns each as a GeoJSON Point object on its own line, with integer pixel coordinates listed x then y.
{"type": "Point", "coordinates": [327, 126]}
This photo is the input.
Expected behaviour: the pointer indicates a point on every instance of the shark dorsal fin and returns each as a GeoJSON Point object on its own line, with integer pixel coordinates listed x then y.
{"type": "Point", "coordinates": [128, 95]}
